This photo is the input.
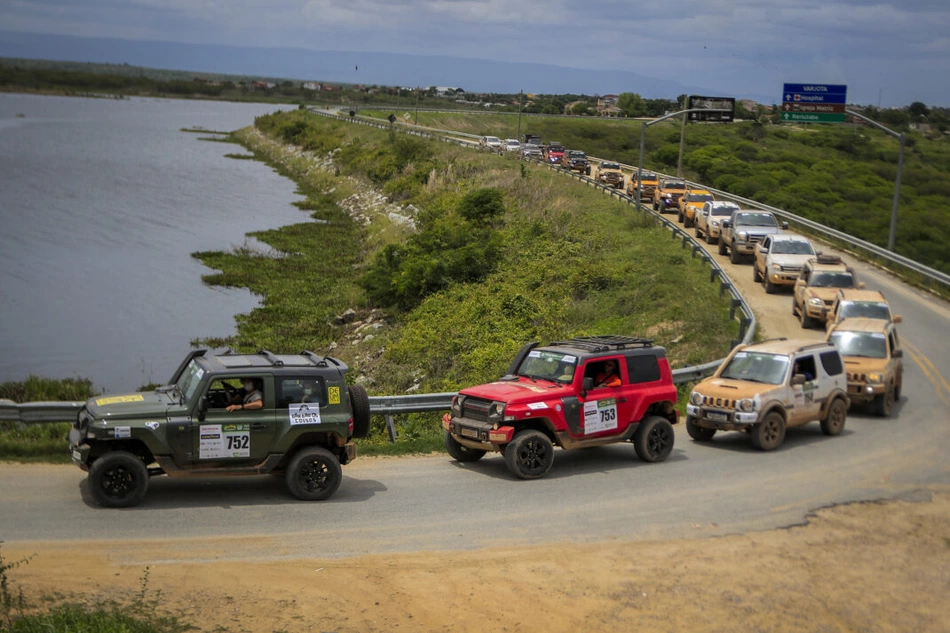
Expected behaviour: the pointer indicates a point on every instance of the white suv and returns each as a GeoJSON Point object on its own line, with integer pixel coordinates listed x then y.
{"type": "Point", "coordinates": [763, 389]}
{"type": "Point", "coordinates": [709, 219]}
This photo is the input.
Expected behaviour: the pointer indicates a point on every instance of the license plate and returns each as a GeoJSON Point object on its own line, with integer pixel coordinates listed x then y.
{"type": "Point", "coordinates": [717, 416]}
{"type": "Point", "coordinates": [473, 433]}
{"type": "Point", "coordinates": [77, 455]}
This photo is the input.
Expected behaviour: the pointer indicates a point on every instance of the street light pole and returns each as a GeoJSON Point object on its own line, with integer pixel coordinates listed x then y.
{"type": "Point", "coordinates": [417, 106]}
{"type": "Point", "coordinates": [897, 183]}
{"type": "Point", "coordinates": [520, 104]}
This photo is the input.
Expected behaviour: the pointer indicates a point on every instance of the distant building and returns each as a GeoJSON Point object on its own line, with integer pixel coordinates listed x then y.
{"type": "Point", "coordinates": [310, 85]}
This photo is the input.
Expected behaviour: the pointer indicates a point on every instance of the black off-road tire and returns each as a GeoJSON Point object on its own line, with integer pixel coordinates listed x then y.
{"type": "Point", "coordinates": [698, 433]}
{"type": "Point", "coordinates": [712, 240]}
{"type": "Point", "coordinates": [653, 439]}
{"type": "Point", "coordinates": [756, 277]}
{"type": "Point", "coordinates": [898, 383]}
{"type": "Point", "coordinates": [883, 404]}
{"type": "Point", "coordinates": [734, 255]}
{"type": "Point", "coordinates": [833, 422]}
{"type": "Point", "coordinates": [118, 479]}
{"type": "Point", "coordinates": [461, 453]}
{"type": "Point", "coordinates": [313, 474]}
{"type": "Point", "coordinates": [769, 434]}
{"type": "Point", "coordinates": [770, 288]}
{"type": "Point", "coordinates": [806, 321]}
{"type": "Point", "coordinates": [722, 246]}
{"type": "Point", "coordinates": [360, 403]}
{"type": "Point", "coordinates": [697, 233]}
{"type": "Point", "coordinates": [530, 455]}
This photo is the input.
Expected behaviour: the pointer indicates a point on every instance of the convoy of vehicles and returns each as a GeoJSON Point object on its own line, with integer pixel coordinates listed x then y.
{"type": "Point", "coordinates": [577, 393]}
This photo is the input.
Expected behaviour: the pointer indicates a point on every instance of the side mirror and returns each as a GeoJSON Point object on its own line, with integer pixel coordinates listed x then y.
{"type": "Point", "coordinates": [897, 353]}
{"type": "Point", "coordinates": [784, 226]}
{"type": "Point", "coordinates": [588, 384]}
{"type": "Point", "coordinates": [897, 318]}
{"type": "Point", "coordinates": [202, 408]}
{"type": "Point", "coordinates": [860, 285]}
{"type": "Point", "coordinates": [798, 379]}
{"type": "Point", "coordinates": [726, 223]}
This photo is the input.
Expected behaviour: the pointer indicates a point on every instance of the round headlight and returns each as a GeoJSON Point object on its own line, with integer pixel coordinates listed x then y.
{"type": "Point", "coordinates": [498, 410]}
{"type": "Point", "coordinates": [875, 378]}
{"type": "Point", "coordinates": [696, 398]}
{"type": "Point", "coordinates": [743, 235]}
{"type": "Point", "coordinates": [816, 301]}
{"type": "Point", "coordinates": [747, 405]}
{"type": "Point", "coordinates": [456, 404]}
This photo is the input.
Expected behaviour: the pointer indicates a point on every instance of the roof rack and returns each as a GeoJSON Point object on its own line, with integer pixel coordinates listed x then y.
{"type": "Point", "coordinates": [605, 343]}
{"type": "Point", "coordinates": [274, 361]}
{"type": "Point", "coordinates": [821, 258]}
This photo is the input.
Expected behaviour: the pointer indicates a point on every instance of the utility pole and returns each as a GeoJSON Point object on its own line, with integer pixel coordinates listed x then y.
{"type": "Point", "coordinates": [418, 89]}
{"type": "Point", "coordinates": [679, 161]}
{"type": "Point", "coordinates": [520, 103]}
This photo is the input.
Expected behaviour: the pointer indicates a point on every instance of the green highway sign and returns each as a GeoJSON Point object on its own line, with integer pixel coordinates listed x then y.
{"type": "Point", "coordinates": [814, 117]}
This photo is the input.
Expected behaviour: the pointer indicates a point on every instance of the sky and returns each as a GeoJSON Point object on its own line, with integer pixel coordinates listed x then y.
{"type": "Point", "coordinates": [887, 52]}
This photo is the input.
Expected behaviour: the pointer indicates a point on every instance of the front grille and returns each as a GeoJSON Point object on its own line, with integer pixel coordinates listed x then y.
{"type": "Point", "coordinates": [476, 409]}
{"type": "Point", "coordinates": [727, 403]}
{"type": "Point", "coordinates": [857, 377]}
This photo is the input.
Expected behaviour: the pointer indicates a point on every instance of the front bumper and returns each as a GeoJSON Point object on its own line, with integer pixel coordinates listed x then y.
{"type": "Point", "coordinates": [861, 392]}
{"type": "Point", "coordinates": [782, 278]}
{"type": "Point", "coordinates": [746, 248]}
{"type": "Point", "coordinates": [722, 419]}
{"type": "Point", "coordinates": [477, 434]}
{"type": "Point", "coordinates": [78, 450]}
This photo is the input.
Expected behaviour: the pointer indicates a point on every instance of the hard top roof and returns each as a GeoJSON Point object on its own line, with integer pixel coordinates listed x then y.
{"type": "Point", "coordinates": [232, 363]}
{"type": "Point", "coordinates": [862, 324]}
{"type": "Point", "coordinates": [785, 346]}
{"type": "Point", "coordinates": [858, 294]}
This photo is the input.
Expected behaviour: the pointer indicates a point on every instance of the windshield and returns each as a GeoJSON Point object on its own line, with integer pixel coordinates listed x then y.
{"type": "Point", "coordinates": [832, 280]}
{"type": "Point", "coordinates": [190, 379]}
{"type": "Point", "coordinates": [649, 176]}
{"type": "Point", "coordinates": [792, 247]}
{"type": "Point", "coordinates": [555, 366]}
{"type": "Point", "coordinates": [493, 139]}
{"type": "Point", "coordinates": [576, 154]}
{"type": "Point", "coordinates": [869, 309]}
{"type": "Point", "coordinates": [757, 367]}
{"type": "Point", "coordinates": [674, 185]}
{"type": "Point", "coordinates": [610, 165]}
{"type": "Point", "coordinates": [723, 209]}
{"type": "Point", "coordinates": [756, 219]}
{"type": "Point", "coordinates": [700, 197]}
{"type": "Point", "coordinates": [866, 344]}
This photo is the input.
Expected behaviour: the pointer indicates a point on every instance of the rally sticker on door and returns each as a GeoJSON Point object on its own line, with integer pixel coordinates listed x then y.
{"type": "Point", "coordinates": [600, 415]}
{"type": "Point", "coordinates": [219, 441]}
{"type": "Point", "coordinates": [304, 413]}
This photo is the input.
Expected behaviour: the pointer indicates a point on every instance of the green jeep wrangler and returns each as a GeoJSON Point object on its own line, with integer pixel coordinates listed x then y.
{"type": "Point", "coordinates": [299, 421]}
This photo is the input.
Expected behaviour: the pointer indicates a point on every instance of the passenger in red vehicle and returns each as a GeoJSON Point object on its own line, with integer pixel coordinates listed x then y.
{"type": "Point", "coordinates": [608, 377]}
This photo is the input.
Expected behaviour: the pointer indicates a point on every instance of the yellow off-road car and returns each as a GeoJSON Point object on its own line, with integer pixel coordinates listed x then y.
{"type": "Point", "coordinates": [691, 204]}
{"type": "Point", "coordinates": [610, 174]}
{"type": "Point", "coordinates": [873, 359]}
{"type": "Point", "coordinates": [765, 388]}
{"type": "Point", "coordinates": [650, 181]}
{"type": "Point", "coordinates": [817, 286]}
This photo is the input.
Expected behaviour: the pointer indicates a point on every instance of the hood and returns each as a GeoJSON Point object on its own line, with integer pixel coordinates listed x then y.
{"type": "Point", "coordinates": [785, 259]}
{"type": "Point", "coordinates": [825, 294]}
{"type": "Point", "coordinates": [131, 405]}
{"type": "Point", "coordinates": [864, 365]}
{"type": "Point", "coordinates": [759, 230]}
{"type": "Point", "coordinates": [517, 391]}
{"type": "Point", "coordinates": [733, 389]}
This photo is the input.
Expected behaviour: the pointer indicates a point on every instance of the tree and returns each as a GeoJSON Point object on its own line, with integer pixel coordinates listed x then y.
{"type": "Point", "coordinates": [631, 104]}
{"type": "Point", "coordinates": [918, 110]}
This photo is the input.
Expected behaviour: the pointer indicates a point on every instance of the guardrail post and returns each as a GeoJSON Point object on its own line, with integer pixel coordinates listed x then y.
{"type": "Point", "coordinates": [735, 303]}
{"type": "Point", "coordinates": [391, 425]}
{"type": "Point", "coordinates": [723, 286]}
{"type": "Point", "coordinates": [744, 323]}
{"type": "Point", "coordinates": [713, 273]}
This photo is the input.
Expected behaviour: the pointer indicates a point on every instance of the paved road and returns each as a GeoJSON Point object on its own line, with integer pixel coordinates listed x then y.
{"type": "Point", "coordinates": [433, 503]}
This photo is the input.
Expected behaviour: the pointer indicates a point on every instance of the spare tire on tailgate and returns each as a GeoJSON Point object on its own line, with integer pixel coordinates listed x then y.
{"type": "Point", "coordinates": [359, 401]}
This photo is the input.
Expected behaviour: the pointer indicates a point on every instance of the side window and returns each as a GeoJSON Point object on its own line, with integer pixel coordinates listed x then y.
{"type": "Point", "coordinates": [805, 365]}
{"type": "Point", "coordinates": [298, 389]}
{"type": "Point", "coordinates": [831, 361]}
{"type": "Point", "coordinates": [643, 368]}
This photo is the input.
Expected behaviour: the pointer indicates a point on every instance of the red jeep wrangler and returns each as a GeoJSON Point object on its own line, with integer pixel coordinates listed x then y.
{"type": "Point", "coordinates": [561, 394]}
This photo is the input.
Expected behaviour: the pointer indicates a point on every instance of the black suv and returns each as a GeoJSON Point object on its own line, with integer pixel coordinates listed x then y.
{"type": "Point", "coordinates": [304, 429]}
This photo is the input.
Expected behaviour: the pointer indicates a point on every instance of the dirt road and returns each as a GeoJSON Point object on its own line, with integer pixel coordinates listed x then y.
{"type": "Point", "coordinates": [872, 567]}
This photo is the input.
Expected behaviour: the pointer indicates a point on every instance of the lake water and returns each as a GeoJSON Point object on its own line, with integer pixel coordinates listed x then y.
{"type": "Point", "coordinates": [102, 203]}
